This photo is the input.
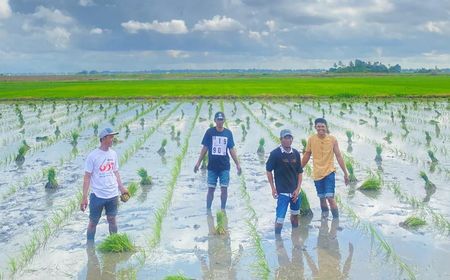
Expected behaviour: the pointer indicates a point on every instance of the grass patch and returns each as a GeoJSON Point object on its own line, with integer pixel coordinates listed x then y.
{"type": "Point", "coordinates": [117, 243]}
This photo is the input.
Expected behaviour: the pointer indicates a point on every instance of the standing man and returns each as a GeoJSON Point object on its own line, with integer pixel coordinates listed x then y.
{"type": "Point", "coordinates": [286, 164]}
{"type": "Point", "coordinates": [217, 141]}
{"type": "Point", "coordinates": [324, 147]}
{"type": "Point", "coordinates": [102, 173]}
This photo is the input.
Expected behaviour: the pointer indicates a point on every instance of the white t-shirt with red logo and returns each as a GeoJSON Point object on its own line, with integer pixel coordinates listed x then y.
{"type": "Point", "coordinates": [102, 165]}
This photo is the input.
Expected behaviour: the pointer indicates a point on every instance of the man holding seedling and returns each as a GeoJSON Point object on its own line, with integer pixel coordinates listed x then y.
{"type": "Point", "coordinates": [324, 147]}
{"type": "Point", "coordinates": [285, 163]}
{"type": "Point", "coordinates": [102, 174]}
{"type": "Point", "coordinates": [217, 142]}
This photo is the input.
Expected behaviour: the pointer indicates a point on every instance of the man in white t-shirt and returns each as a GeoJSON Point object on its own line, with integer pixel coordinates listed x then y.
{"type": "Point", "coordinates": [102, 174]}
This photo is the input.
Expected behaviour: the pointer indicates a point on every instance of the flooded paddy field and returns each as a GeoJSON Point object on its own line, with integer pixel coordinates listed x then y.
{"type": "Point", "coordinates": [43, 232]}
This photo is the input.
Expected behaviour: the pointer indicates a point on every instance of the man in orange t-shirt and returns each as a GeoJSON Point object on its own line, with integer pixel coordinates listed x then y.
{"type": "Point", "coordinates": [324, 147]}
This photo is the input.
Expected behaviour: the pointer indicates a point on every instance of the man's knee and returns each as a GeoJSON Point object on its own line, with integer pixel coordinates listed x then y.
{"type": "Point", "coordinates": [111, 219]}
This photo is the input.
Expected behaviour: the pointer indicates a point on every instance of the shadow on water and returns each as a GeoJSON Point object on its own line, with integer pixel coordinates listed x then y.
{"type": "Point", "coordinates": [107, 268]}
{"type": "Point", "coordinates": [221, 262]}
{"type": "Point", "coordinates": [328, 254]}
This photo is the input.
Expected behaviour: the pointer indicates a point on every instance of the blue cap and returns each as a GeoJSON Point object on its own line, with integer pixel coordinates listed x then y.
{"type": "Point", "coordinates": [107, 131]}
{"type": "Point", "coordinates": [219, 116]}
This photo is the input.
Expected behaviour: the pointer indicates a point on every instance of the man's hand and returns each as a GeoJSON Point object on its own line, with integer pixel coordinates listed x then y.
{"type": "Point", "coordinates": [196, 167]}
{"type": "Point", "coordinates": [84, 203]}
{"type": "Point", "coordinates": [239, 169]}
{"type": "Point", "coordinates": [295, 195]}
{"type": "Point", "coordinates": [274, 193]}
{"type": "Point", "coordinates": [346, 180]}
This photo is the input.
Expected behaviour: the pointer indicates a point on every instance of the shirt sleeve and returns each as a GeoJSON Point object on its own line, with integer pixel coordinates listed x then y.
{"type": "Point", "coordinates": [308, 145]}
{"type": "Point", "coordinates": [116, 164]}
{"type": "Point", "coordinates": [270, 164]}
{"type": "Point", "coordinates": [230, 144]}
{"type": "Point", "coordinates": [89, 164]}
{"type": "Point", "coordinates": [206, 139]}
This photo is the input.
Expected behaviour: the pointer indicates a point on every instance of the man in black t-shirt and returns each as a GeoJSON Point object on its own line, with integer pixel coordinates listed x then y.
{"type": "Point", "coordinates": [217, 141]}
{"type": "Point", "coordinates": [286, 163]}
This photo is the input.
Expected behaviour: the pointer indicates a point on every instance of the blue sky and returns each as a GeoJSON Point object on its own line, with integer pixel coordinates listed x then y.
{"type": "Point", "coordinates": [73, 35]}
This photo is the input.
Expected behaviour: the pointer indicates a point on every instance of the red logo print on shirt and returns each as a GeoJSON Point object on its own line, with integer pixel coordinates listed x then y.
{"type": "Point", "coordinates": [108, 166]}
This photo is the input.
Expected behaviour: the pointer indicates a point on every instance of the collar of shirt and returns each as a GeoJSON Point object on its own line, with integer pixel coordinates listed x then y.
{"type": "Point", "coordinates": [284, 151]}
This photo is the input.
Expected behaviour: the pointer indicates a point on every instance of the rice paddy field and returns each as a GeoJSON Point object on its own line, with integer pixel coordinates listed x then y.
{"type": "Point", "coordinates": [395, 215]}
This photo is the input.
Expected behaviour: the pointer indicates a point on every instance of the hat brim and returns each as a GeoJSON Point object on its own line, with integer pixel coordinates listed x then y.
{"type": "Point", "coordinates": [288, 134]}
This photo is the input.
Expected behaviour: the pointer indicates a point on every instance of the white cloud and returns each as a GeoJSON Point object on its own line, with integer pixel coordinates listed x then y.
{"type": "Point", "coordinates": [177, 54]}
{"type": "Point", "coordinates": [54, 16]}
{"type": "Point", "coordinates": [5, 9]}
{"type": "Point", "coordinates": [96, 31]}
{"type": "Point", "coordinates": [435, 26]}
{"type": "Point", "coordinates": [271, 25]}
{"type": "Point", "coordinates": [86, 3]}
{"type": "Point", "coordinates": [174, 26]}
{"type": "Point", "coordinates": [255, 35]}
{"type": "Point", "coordinates": [218, 23]}
{"type": "Point", "coordinates": [59, 37]}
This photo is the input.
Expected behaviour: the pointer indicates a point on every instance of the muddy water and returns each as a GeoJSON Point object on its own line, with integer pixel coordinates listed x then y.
{"type": "Point", "coordinates": [317, 249]}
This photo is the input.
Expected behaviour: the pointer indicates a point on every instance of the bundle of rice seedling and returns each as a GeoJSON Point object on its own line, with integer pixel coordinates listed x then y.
{"type": "Point", "coordinates": [378, 150]}
{"type": "Point", "coordinates": [145, 179]}
{"type": "Point", "coordinates": [117, 243]}
{"type": "Point", "coordinates": [305, 208]}
{"type": "Point", "coordinates": [162, 149]}
{"type": "Point", "coordinates": [51, 176]}
{"type": "Point", "coordinates": [432, 157]}
{"type": "Point", "coordinates": [413, 222]}
{"type": "Point", "coordinates": [349, 136]}
{"type": "Point", "coordinates": [261, 146]}
{"type": "Point", "coordinates": [373, 183]}
{"type": "Point", "coordinates": [428, 183]}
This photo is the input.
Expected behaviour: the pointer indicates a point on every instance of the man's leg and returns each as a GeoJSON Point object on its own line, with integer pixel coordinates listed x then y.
{"type": "Point", "coordinates": [330, 183]}
{"type": "Point", "coordinates": [295, 211]}
{"type": "Point", "coordinates": [212, 182]}
{"type": "Point", "coordinates": [320, 189]}
{"type": "Point", "coordinates": [282, 205]}
{"type": "Point", "coordinates": [111, 212]}
{"type": "Point", "coordinates": [324, 207]}
{"type": "Point", "coordinates": [209, 197]}
{"type": "Point", "coordinates": [333, 207]}
{"type": "Point", "coordinates": [95, 212]}
{"type": "Point", "coordinates": [224, 180]}
{"type": "Point", "coordinates": [112, 224]}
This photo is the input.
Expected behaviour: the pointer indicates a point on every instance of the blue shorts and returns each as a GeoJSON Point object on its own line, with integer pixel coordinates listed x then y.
{"type": "Point", "coordinates": [325, 186]}
{"type": "Point", "coordinates": [96, 205]}
{"type": "Point", "coordinates": [282, 204]}
{"type": "Point", "coordinates": [223, 176]}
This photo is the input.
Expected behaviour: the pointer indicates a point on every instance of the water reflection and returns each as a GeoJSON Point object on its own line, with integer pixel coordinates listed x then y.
{"type": "Point", "coordinates": [222, 264]}
{"type": "Point", "coordinates": [292, 268]}
{"type": "Point", "coordinates": [106, 269]}
{"type": "Point", "coordinates": [328, 254]}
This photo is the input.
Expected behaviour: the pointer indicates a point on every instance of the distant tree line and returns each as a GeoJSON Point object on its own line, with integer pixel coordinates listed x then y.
{"type": "Point", "coordinates": [359, 66]}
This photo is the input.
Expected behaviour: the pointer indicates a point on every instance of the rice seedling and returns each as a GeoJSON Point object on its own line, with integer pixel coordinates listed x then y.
{"type": "Point", "coordinates": [349, 136]}
{"type": "Point", "coordinates": [221, 218]}
{"type": "Point", "coordinates": [427, 138]}
{"type": "Point", "coordinates": [132, 189]}
{"type": "Point", "coordinates": [376, 121]}
{"type": "Point", "coordinates": [95, 127]}
{"type": "Point", "coordinates": [262, 142]}
{"type": "Point", "coordinates": [278, 124]}
{"type": "Point", "coordinates": [244, 131]}
{"type": "Point", "coordinates": [182, 114]}
{"type": "Point", "coordinates": [142, 123]}
{"type": "Point", "coordinates": [388, 137]}
{"type": "Point", "coordinates": [172, 132]}
{"type": "Point", "coordinates": [311, 123]}
{"type": "Point", "coordinates": [51, 179]}
{"type": "Point", "coordinates": [362, 121]}
{"type": "Point", "coordinates": [432, 157]}
{"type": "Point", "coordinates": [51, 121]}
{"type": "Point", "coordinates": [238, 121]}
{"type": "Point", "coordinates": [57, 131]}
{"type": "Point", "coordinates": [428, 183]}
{"type": "Point", "coordinates": [392, 116]}
{"type": "Point", "coordinates": [378, 150]}
{"type": "Point", "coordinates": [127, 129]}
{"type": "Point", "coordinates": [372, 183]}
{"type": "Point", "coordinates": [20, 158]}
{"type": "Point", "coordinates": [162, 151]}
{"type": "Point", "coordinates": [351, 171]}
{"type": "Point", "coordinates": [304, 143]}
{"type": "Point", "coordinates": [75, 135]}
{"type": "Point", "coordinates": [112, 120]}
{"type": "Point", "coordinates": [177, 277]}
{"type": "Point", "coordinates": [117, 243]}
{"type": "Point", "coordinates": [413, 222]}
{"type": "Point", "coordinates": [247, 121]}
{"type": "Point", "coordinates": [145, 179]}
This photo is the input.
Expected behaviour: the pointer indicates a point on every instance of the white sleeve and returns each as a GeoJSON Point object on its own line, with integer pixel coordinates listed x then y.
{"type": "Point", "coordinates": [89, 164]}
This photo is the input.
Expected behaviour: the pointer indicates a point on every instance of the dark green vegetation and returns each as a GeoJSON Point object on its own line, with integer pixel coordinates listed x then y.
{"type": "Point", "coordinates": [117, 243]}
{"type": "Point", "coordinates": [149, 86]}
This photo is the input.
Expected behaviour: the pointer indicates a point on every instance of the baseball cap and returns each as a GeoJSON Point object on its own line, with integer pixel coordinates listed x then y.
{"type": "Point", "coordinates": [219, 116]}
{"type": "Point", "coordinates": [107, 131]}
{"type": "Point", "coordinates": [285, 132]}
